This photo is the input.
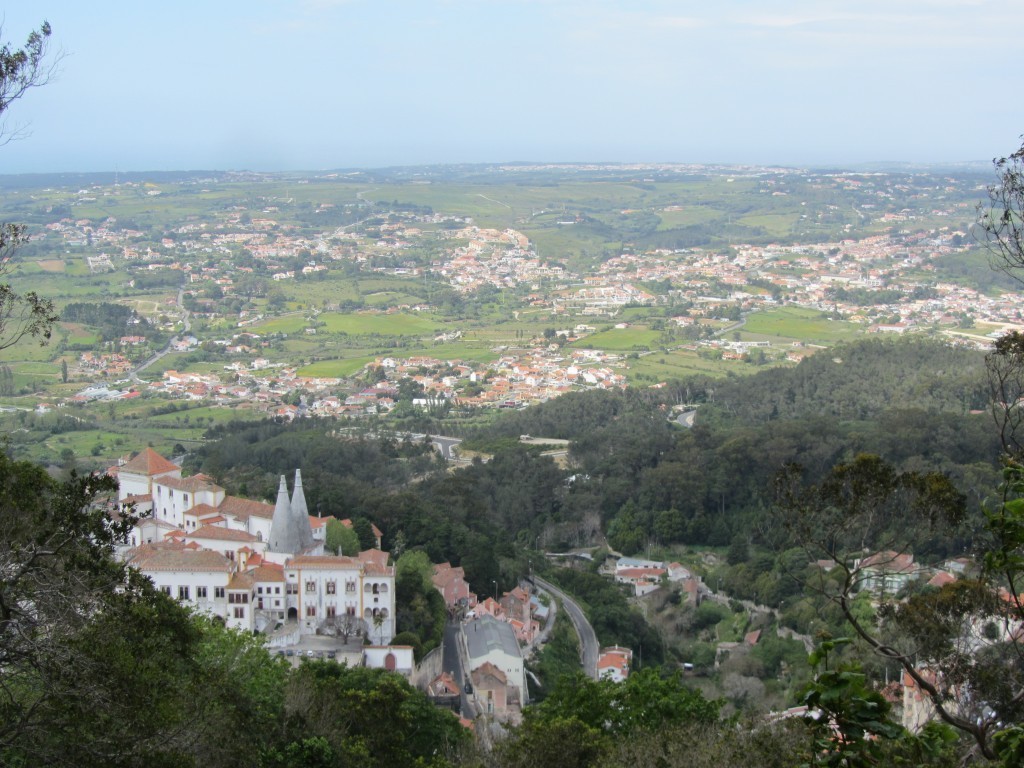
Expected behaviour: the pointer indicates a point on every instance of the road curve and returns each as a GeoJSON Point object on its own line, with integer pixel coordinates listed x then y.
{"type": "Point", "coordinates": [588, 640]}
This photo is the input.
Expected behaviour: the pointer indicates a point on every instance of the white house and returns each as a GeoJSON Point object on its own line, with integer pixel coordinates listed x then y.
{"type": "Point", "coordinates": [490, 641]}
{"type": "Point", "coordinates": [196, 577]}
{"type": "Point", "coordinates": [324, 590]}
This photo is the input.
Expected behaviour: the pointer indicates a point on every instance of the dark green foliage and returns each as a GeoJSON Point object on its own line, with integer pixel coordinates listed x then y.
{"type": "Point", "coordinates": [340, 472]}
{"type": "Point", "coordinates": [559, 658]}
{"type": "Point", "coordinates": [419, 608]}
{"type": "Point", "coordinates": [364, 531]}
{"type": "Point", "coordinates": [366, 717]}
{"type": "Point", "coordinates": [847, 716]}
{"type": "Point", "coordinates": [855, 381]}
{"type": "Point", "coordinates": [581, 720]}
{"type": "Point", "coordinates": [341, 539]}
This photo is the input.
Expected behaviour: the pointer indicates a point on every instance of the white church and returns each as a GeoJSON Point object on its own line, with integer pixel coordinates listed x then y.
{"type": "Point", "coordinates": [251, 563]}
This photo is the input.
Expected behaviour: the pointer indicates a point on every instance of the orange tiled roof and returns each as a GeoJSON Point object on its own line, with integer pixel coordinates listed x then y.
{"type": "Point", "coordinates": [149, 462]}
{"type": "Point", "coordinates": [246, 508]}
{"type": "Point", "coordinates": [150, 557]}
{"type": "Point", "coordinates": [221, 534]}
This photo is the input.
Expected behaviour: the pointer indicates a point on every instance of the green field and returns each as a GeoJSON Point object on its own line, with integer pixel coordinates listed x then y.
{"type": "Point", "coordinates": [678, 364]}
{"type": "Point", "coordinates": [355, 324]}
{"type": "Point", "coordinates": [621, 339]}
{"type": "Point", "coordinates": [799, 324]}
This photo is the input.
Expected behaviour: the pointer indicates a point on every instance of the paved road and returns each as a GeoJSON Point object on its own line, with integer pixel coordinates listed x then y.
{"type": "Point", "coordinates": [446, 446]}
{"type": "Point", "coordinates": [685, 419]}
{"type": "Point", "coordinates": [451, 660]}
{"type": "Point", "coordinates": [588, 640]}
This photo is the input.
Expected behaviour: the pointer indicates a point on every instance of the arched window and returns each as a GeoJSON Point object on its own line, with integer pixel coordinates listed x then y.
{"type": "Point", "coordinates": [383, 589]}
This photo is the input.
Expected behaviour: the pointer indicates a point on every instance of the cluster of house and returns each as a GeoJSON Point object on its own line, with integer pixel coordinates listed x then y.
{"type": "Point", "coordinates": [645, 576]}
{"type": "Point", "coordinates": [259, 567]}
{"type": "Point", "coordinates": [491, 641]}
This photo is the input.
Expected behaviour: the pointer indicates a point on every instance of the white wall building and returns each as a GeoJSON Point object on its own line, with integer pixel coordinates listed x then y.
{"type": "Point", "coordinates": [325, 590]}
{"type": "Point", "coordinates": [248, 562]}
{"type": "Point", "coordinates": [494, 641]}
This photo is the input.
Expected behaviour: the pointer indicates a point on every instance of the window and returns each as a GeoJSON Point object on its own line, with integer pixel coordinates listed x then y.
{"type": "Point", "coordinates": [259, 603]}
{"type": "Point", "coordinates": [183, 593]}
{"type": "Point", "coordinates": [310, 586]}
{"type": "Point", "coordinates": [200, 593]}
{"type": "Point", "coordinates": [166, 590]}
{"type": "Point", "coordinates": [240, 613]}
{"type": "Point", "coordinates": [332, 588]}
{"type": "Point", "coordinates": [376, 589]}
{"type": "Point", "coordinates": [292, 589]}
{"type": "Point", "coordinates": [350, 610]}
{"type": "Point", "coordinates": [259, 590]}
{"type": "Point", "coordinates": [330, 611]}
{"type": "Point", "coordinates": [218, 592]}
{"type": "Point", "coordinates": [277, 590]}
{"type": "Point", "coordinates": [350, 587]}
{"type": "Point", "coordinates": [311, 610]}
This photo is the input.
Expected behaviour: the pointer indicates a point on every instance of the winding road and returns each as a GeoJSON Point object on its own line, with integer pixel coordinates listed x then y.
{"type": "Point", "coordinates": [588, 640]}
{"type": "Point", "coordinates": [187, 326]}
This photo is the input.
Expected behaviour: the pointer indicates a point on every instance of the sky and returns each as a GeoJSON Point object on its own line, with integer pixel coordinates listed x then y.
{"type": "Point", "coordinates": [272, 85]}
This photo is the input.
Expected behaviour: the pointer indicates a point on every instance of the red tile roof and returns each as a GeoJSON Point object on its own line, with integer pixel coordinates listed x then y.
{"type": "Point", "coordinates": [221, 534]}
{"type": "Point", "coordinates": [149, 462]}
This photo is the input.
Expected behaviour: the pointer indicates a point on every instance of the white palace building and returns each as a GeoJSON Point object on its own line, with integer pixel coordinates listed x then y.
{"type": "Point", "coordinates": [251, 563]}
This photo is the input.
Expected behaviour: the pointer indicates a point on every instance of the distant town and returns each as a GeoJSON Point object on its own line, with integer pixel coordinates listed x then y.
{"type": "Point", "coordinates": [300, 296]}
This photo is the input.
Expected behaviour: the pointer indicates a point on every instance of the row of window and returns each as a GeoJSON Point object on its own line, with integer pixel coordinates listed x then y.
{"type": "Point", "coordinates": [170, 493]}
{"type": "Point", "coordinates": [331, 587]}
{"type": "Point", "coordinates": [330, 612]}
{"type": "Point", "coordinates": [184, 592]}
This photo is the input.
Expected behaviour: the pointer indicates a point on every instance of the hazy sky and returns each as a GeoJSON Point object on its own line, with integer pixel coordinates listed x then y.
{"type": "Point", "coordinates": [315, 84]}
